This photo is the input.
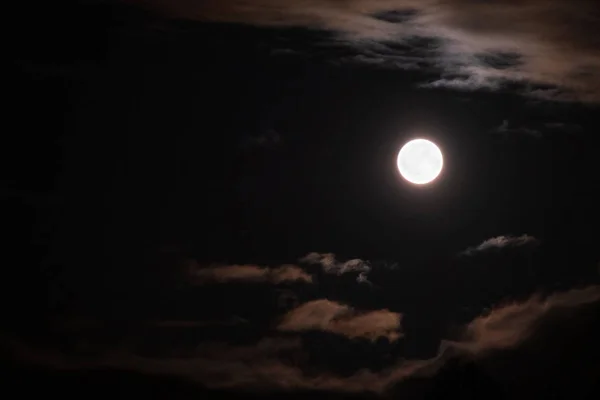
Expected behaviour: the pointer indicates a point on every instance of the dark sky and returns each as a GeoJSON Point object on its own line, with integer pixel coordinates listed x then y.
{"type": "Point", "coordinates": [202, 199]}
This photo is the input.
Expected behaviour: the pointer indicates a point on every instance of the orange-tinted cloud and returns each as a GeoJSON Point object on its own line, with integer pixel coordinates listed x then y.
{"type": "Point", "coordinates": [508, 326]}
{"type": "Point", "coordinates": [248, 273]}
{"type": "Point", "coordinates": [326, 315]}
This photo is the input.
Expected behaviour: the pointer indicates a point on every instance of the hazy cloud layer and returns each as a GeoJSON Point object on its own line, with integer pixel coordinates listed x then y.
{"type": "Point", "coordinates": [248, 273]}
{"type": "Point", "coordinates": [551, 46]}
{"type": "Point", "coordinates": [343, 320]}
{"type": "Point", "coordinates": [500, 242]}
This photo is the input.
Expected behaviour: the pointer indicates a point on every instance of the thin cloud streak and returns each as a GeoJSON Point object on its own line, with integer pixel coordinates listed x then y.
{"type": "Point", "coordinates": [500, 242]}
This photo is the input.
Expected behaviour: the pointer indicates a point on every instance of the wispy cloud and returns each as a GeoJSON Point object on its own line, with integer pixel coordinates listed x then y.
{"type": "Point", "coordinates": [500, 242]}
{"type": "Point", "coordinates": [329, 316]}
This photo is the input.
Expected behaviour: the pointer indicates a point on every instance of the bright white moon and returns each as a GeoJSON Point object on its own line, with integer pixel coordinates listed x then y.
{"type": "Point", "coordinates": [420, 161]}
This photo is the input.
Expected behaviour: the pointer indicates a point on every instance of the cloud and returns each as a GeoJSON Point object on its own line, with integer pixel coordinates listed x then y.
{"type": "Point", "coordinates": [362, 278]}
{"type": "Point", "coordinates": [549, 46]}
{"type": "Point", "coordinates": [541, 346]}
{"type": "Point", "coordinates": [500, 242]}
{"type": "Point", "coordinates": [510, 325]}
{"type": "Point", "coordinates": [505, 128]}
{"type": "Point", "coordinates": [332, 266]}
{"type": "Point", "coordinates": [466, 83]}
{"type": "Point", "coordinates": [248, 273]}
{"type": "Point", "coordinates": [563, 127]}
{"type": "Point", "coordinates": [263, 367]}
{"type": "Point", "coordinates": [271, 364]}
{"type": "Point", "coordinates": [282, 363]}
{"type": "Point", "coordinates": [329, 316]}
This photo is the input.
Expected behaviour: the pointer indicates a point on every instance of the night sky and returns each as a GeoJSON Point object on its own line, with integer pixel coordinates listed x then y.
{"type": "Point", "coordinates": [201, 199]}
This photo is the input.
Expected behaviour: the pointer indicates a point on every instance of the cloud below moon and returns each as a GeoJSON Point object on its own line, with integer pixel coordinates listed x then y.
{"type": "Point", "coordinates": [277, 363]}
{"type": "Point", "coordinates": [329, 316]}
{"type": "Point", "coordinates": [247, 273]}
{"type": "Point", "coordinates": [500, 242]}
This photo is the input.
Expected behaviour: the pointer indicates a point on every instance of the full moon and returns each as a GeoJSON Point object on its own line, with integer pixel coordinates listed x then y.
{"type": "Point", "coordinates": [420, 161]}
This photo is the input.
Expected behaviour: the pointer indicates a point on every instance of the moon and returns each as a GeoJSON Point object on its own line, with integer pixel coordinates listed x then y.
{"type": "Point", "coordinates": [420, 161]}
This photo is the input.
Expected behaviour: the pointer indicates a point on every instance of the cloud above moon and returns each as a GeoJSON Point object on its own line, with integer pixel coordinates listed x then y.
{"type": "Point", "coordinates": [548, 46]}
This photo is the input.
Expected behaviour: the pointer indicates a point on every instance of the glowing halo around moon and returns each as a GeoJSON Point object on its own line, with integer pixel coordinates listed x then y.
{"type": "Point", "coordinates": [420, 161]}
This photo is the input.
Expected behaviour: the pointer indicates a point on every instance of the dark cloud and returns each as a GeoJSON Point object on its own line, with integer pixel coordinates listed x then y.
{"type": "Point", "coordinates": [536, 131]}
{"type": "Point", "coordinates": [281, 363]}
{"type": "Point", "coordinates": [234, 320]}
{"type": "Point", "coordinates": [268, 139]}
{"type": "Point", "coordinates": [343, 320]}
{"type": "Point", "coordinates": [286, 299]}
{"type": "Point", "coordinates": [397, 16]}
{"type": "Point", "coordinates": [563, 127]}
{"type": "Point", "coordinates": [272, 364]}
{"type": "Point", "coordinates": [550, 44]}
{"type": "Point", "coordinates": [500, 242]}
{"type": "Point", "coordinates": [247, 273]}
